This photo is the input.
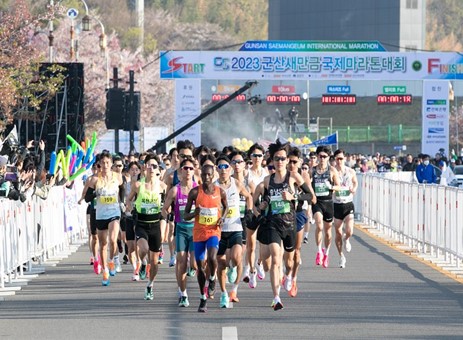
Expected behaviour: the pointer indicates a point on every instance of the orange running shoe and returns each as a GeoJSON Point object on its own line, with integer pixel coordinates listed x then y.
{"type": "Point", "coordinates": [293, 291]}
{"type": "Point", "coordinates": [233, 297]}
{"type": "Point", "coordinates": [105, 281]}
{"type": "Point", "coordinates": [112, 268]}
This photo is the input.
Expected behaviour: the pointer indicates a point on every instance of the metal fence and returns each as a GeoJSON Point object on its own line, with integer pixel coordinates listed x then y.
{"type": "Point", "coordinates": [427, 218]}
{"type": "Point", "coordinates": [35, 231]}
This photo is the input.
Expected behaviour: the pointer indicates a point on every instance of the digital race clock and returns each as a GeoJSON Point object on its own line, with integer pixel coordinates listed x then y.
{"type": "Point", "coordinates": [339, 99]}
{"type": "Point", "coordinates": [217, 97]}
{"type": "Point", "coordinates": [291, 99]}
{"type": "Point", "coordinates": [399, 99]}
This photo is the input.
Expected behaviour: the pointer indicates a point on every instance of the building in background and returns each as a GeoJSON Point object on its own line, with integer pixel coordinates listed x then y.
{"type": "Point", "coordinates": [399, 25]}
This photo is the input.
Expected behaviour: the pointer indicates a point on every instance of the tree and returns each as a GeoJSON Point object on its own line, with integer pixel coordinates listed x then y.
{"type": "Point", "coordinates": [22, 89]}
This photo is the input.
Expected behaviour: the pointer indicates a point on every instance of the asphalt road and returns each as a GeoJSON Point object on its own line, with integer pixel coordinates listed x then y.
{"type": "Point", "coordinates": [381, 294]}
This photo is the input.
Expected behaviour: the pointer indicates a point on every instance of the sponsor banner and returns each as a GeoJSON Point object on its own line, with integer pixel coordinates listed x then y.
{"type": "Point", "coordinates": [187, 108]}
{"type": "Point", "coordinates": [435, 106]}
{"type": "Point", "coordinates": [311, 66]}
{"type": "Point", "coordinates": [312, 46]}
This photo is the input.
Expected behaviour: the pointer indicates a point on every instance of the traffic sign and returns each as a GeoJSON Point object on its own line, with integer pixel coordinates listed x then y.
{"type": "Point", "coordinates": [394, 89]}
{"type": "Point", "coordinates": [72, 13]}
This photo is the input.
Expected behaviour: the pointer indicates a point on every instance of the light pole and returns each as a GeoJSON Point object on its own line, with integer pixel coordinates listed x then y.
{"type": "Point", "coordinates": [86, 28]}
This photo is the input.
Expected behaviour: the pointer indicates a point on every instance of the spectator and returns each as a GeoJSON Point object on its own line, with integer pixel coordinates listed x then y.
{"type": "Point", "coordinates": [447, 177]}
{"type": "Point", "coordinates": [410, 164]}
{"type": "Point", "coordinates": [425, 172]}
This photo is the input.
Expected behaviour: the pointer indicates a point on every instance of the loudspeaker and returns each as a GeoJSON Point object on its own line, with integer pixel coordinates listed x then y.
{"type": "Point", "coordinates": [136, 111]}
{"type": "Point", "coordinates": [115, 109]}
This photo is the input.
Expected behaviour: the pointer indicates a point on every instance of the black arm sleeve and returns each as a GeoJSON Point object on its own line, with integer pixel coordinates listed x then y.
{"type": "Point", "coordinates": [122, 193]}
{"type": "Point", "coordinates": [90, 195]}
{"type": "Point", "coordinates": [307, 195]}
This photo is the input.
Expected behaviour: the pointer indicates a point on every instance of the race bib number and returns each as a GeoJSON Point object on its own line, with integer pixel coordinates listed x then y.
{"type": "Point", "coordinates": [107, 200]}
{"type": "Point", "coordinates": [208, 216]}
{"type": "Point", "coordinates": [182, 213]}
{"type": "Point", "coordinates": [149, 208]}
{"type": "Point", "coordinates": [344, 192]}
{"type": "Point", "coordinates": [232, 212]}
{"type": "Point", "coordinates": [321, 189]}
{"type": "Point", "coordinates": [279, 206]}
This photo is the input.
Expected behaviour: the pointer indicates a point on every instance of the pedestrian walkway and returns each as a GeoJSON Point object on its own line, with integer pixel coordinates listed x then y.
{"type": "Point", "coordinates": [382, 293]}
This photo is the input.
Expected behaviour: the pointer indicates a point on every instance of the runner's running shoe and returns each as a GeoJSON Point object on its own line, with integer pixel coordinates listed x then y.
{"type": "Point", "coordinates": [253, 280]}
{"type": "Point", "coordinates": [118, 267]}
{"type": "Point", "coordinates": [172, 261]}
{"type": "Point", "coordinates": [211, 289]}
{"type": "Point", "coordinates": [342, 261]}
{"type": "Point", "coordinates": [97, 267]}
{"type": "Point", "coordinates": [287, 282]}
{"type": "Point", "coordinates": [112, 269]}
{"type": "Point", "coordinates": [306, 240]}
{"type": "Point", "coordinates": [184, 302]}
{"type": "Point", "coordinates": [91, 260]}
{"type": "Point", "coordinates": [232, 273]}
{"type": "Point", "coordinates": [149, 295]}
{"type": "Point", "coordinates": [224, 300]}
{"type": "Point", "coordinates": [142, 271]}
{"type": "Point", "coordinates": [347, 245]}
{"type": "Point", "coordinates": [233, 296]}
{"type": "Point", "coordinates": [191, 272]}
{"type": "Point", "coordinates": [246, 274]}
{"type": "Point", "coordinates": [202, 306]}
{"type": "Point", "coordinates": [293, 291]}
{"type": "Point", "coordinates": [319, 258]}
{"type": "Point", "coordinates": [161, 258]}
{"type": "Point", "coordinates": [276, 304]}
{"type": "Point", "coordinates": [326, 261]}
{"type": "Point", "coordinates": [105, 281]}
{"type": "Point", "coordinates": [260, 271]}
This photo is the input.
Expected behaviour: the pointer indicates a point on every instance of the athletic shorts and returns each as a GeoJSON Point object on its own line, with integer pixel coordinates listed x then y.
{"type": "Point", "coordinates": [276, 231]}
{"type": "Point", "coordinates": [342, 210]}
{"type": "Point", "coordinates": [202, 246]}
{"type": "Point", "coordinates": [301, 219]}
{"type": "Point", "coordinates": [228, 239]}
{"type": "Point", "coordinates": [129, 228]}
{"type": "Point", "coordinates": [184, 238]}
{"type": "Point", "coordinates": [93, 222]}
{"type": "Point", "coordinates": [104, 224]}
{"type": "Point", "coordinates": [151, 232]}
{"type": "Point", "coordinates": [325, 208]}
{"type": "Point", "coordinates": [123, 222]}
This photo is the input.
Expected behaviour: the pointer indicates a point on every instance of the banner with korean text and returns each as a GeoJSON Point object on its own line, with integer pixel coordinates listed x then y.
{"type": "Point", "coordinates": [435, 113]}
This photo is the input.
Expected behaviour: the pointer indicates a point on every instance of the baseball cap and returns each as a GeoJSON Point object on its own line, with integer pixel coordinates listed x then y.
{"type": "Point", "coordinates": [441, 163]}
{"type": "Point", "coordinates": [3, 160]}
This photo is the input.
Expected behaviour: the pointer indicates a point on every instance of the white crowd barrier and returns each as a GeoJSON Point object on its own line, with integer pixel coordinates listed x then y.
{"type": "Point", "coordinates": [36, 230]}
{"type": "Point", "coordinates": [427, 218]}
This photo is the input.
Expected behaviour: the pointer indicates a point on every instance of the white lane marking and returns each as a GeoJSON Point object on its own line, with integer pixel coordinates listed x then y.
{"type": "Point", "coordinates": [229, 333]}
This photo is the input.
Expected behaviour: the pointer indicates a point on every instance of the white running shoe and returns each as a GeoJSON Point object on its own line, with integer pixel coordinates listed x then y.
{"type": "Point", "coordinates": [342, 261]}
{"type": "Point", "coordinates": [246, 274]}
{"type": "Point", "coordinates": [253, 280]}
{"type": "Point", "coordinates": [260, 271]}
{"type": "Point", "coordinates": [347, 245]}
{"type": "Point", "coordinates": [288, 283]}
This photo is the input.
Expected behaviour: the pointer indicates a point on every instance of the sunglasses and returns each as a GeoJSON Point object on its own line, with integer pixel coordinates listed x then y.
{"type": "Point", "coordinates": [223, 166]}
{"type": "Point", "coordinates": [323, 156]}
{"type": "Point", "coordinates": [238, 161]}
{"type": "Point", "coordinates": [188, 168]}
{"type": "Point", "coordinates": [270, 167]}
{"type": "Point", "coordinates": [118, 165]}
{"type": "Point", "coordinates": [152, 166]}
{"type": "Point", "coordinates": [339, 159]}
{"type": "Point", "coordinates": [305, 168]}
{"type": "Point", "coordinates": [184, 156]}
{"type": "Point", "coordinates": [292, 161]}
{"type": "Point", "coordinates": [257, 155]}
{"type": "Point", "coordinates": [277, 159]}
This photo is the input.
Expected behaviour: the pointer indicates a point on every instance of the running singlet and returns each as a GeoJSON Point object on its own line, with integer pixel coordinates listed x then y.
{"type": "Point", "coordinates": [232, 221]}
{"type": "Point", "coordinates": [344, 195]}
{"type": "Point", "coordinates": [107, 198]}
{"type": "Point", "coordinates": [280, 208]}
{"type": "Point", "coordinates": [321, 185]}
{"type": "Point", "coordinates": [148, 204]}
{"type": "Point", "coordinates": [210, 212]}
{"type": "Point", "coordinates": [179, 207]}
{"type": "Point", "coordinates": [257, 179]}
